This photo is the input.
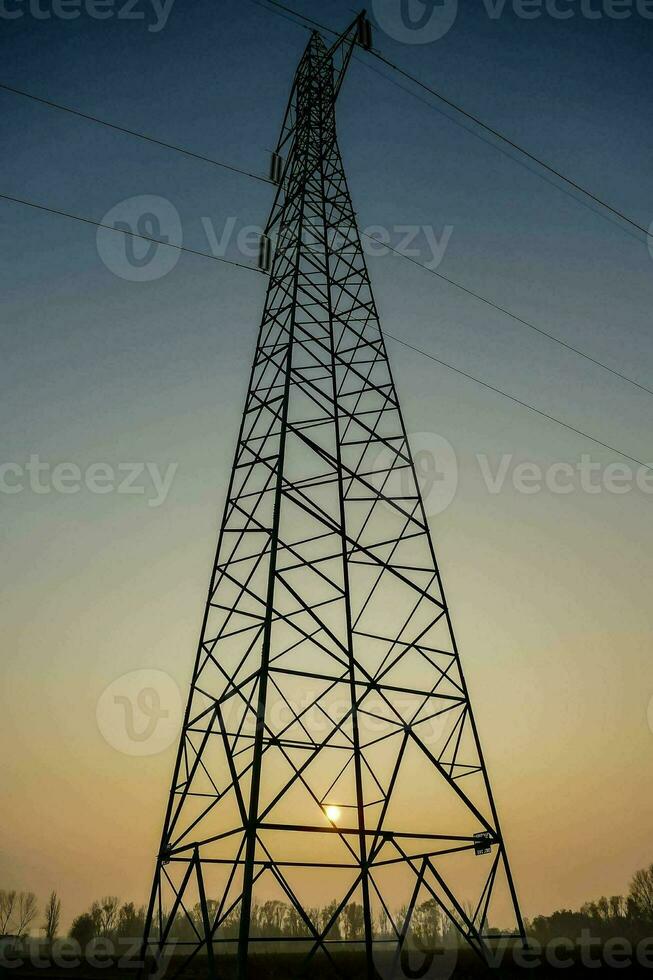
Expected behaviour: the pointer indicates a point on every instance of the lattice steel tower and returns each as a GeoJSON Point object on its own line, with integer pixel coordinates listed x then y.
{"type": "Point", "coordinates": [329, 753]}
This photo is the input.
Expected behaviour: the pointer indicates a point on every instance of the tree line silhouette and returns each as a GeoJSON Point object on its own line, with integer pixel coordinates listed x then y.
{"type": "Point", "coordinates": [108, 919]}
{"type": "Point", "coordinates": [629, 916]}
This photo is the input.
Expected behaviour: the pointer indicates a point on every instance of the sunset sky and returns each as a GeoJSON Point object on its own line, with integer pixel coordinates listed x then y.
{"type": "Point", "coordinates": [550, 592]}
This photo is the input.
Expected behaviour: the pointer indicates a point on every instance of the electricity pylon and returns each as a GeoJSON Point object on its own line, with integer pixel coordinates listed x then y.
{"type": "Point", "coordinates": [329, 757]}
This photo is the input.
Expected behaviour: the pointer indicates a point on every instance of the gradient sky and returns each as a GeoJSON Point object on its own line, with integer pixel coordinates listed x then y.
{"type": "Point", "coordinates": [550, 593]}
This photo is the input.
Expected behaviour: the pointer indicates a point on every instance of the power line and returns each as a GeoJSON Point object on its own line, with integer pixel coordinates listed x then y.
{"type": "Point", "coordinates": [403, 343]}
{"type": "Point", "coordinates": [132, 132]}
{"type": "Point", "coordinates": [513, 316]}
{"type": "Point", "coordinates": [293, 19]}
{"type": "Point", "coordinates": [246, 173]}
{"type": "Point", "coordinates": [452, 282]}
{"type": "Point", "coordinates": [122, 231]}
{"type": "Point", "coordinates": [517, 401]}
{"type": "Point", "coordinates": [295, 16]}
{"type": "Point", "coordinates": [551, 181]}
{"type": "Point", "coordinates": [575, 185]}
{"type": "Point", "coordinates": [465, 289]}
{"type": "Point", "coordinates": [511, 143]}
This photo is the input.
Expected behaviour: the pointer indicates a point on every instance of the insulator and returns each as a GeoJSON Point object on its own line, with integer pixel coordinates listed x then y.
{"type": "Point", "coordinates": [365, 33]}
{"type": "Point", "coordinates": [265, 254]}
{"type": "Point", "coordinates": [276, 168]}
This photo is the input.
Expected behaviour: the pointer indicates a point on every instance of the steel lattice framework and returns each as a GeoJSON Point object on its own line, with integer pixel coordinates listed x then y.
{"type": "Point", "coordinates": [327, 673]}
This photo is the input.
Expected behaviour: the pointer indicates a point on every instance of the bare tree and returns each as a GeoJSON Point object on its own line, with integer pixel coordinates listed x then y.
{"type": "Point", "coordinates": [52, 917]}
{"type": "Point", "coordinates": [83, 929]}
{"type": "Point", "coordinates": [603, 907]}
{"type": "Point", "coordinates": [384, 927]}
{"type": "Point", "coordinates": [294, 924]}
{"type": "Point", "coordinates": [271, 917]}
{"type": "Point", "coordinates": [617, 906]}
{"type": "Point", "coordinates": [105, 915]}
{"type": "Point", "coordinates": [7, 905]}
{"type": "Point", "coordinates": [641, 892]}
{"type": "Point", "coordinates": [326, 915]}
{"type": "Point", "coordinates": [427, 925]}
{"type": "Point", "coordinates": [25, 912]}
{"type": "Point", "coordinates": [354, 921]}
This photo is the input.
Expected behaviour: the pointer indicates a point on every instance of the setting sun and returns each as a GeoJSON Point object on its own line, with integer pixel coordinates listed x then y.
{"type": "Point", "coordinates": [333, 813]}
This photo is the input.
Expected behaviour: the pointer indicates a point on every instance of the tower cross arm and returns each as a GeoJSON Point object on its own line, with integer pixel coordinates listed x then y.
{"type": "Point", "coordinates": [341, 51]}
{"type": "Point", "coordinates": [339, 55]}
